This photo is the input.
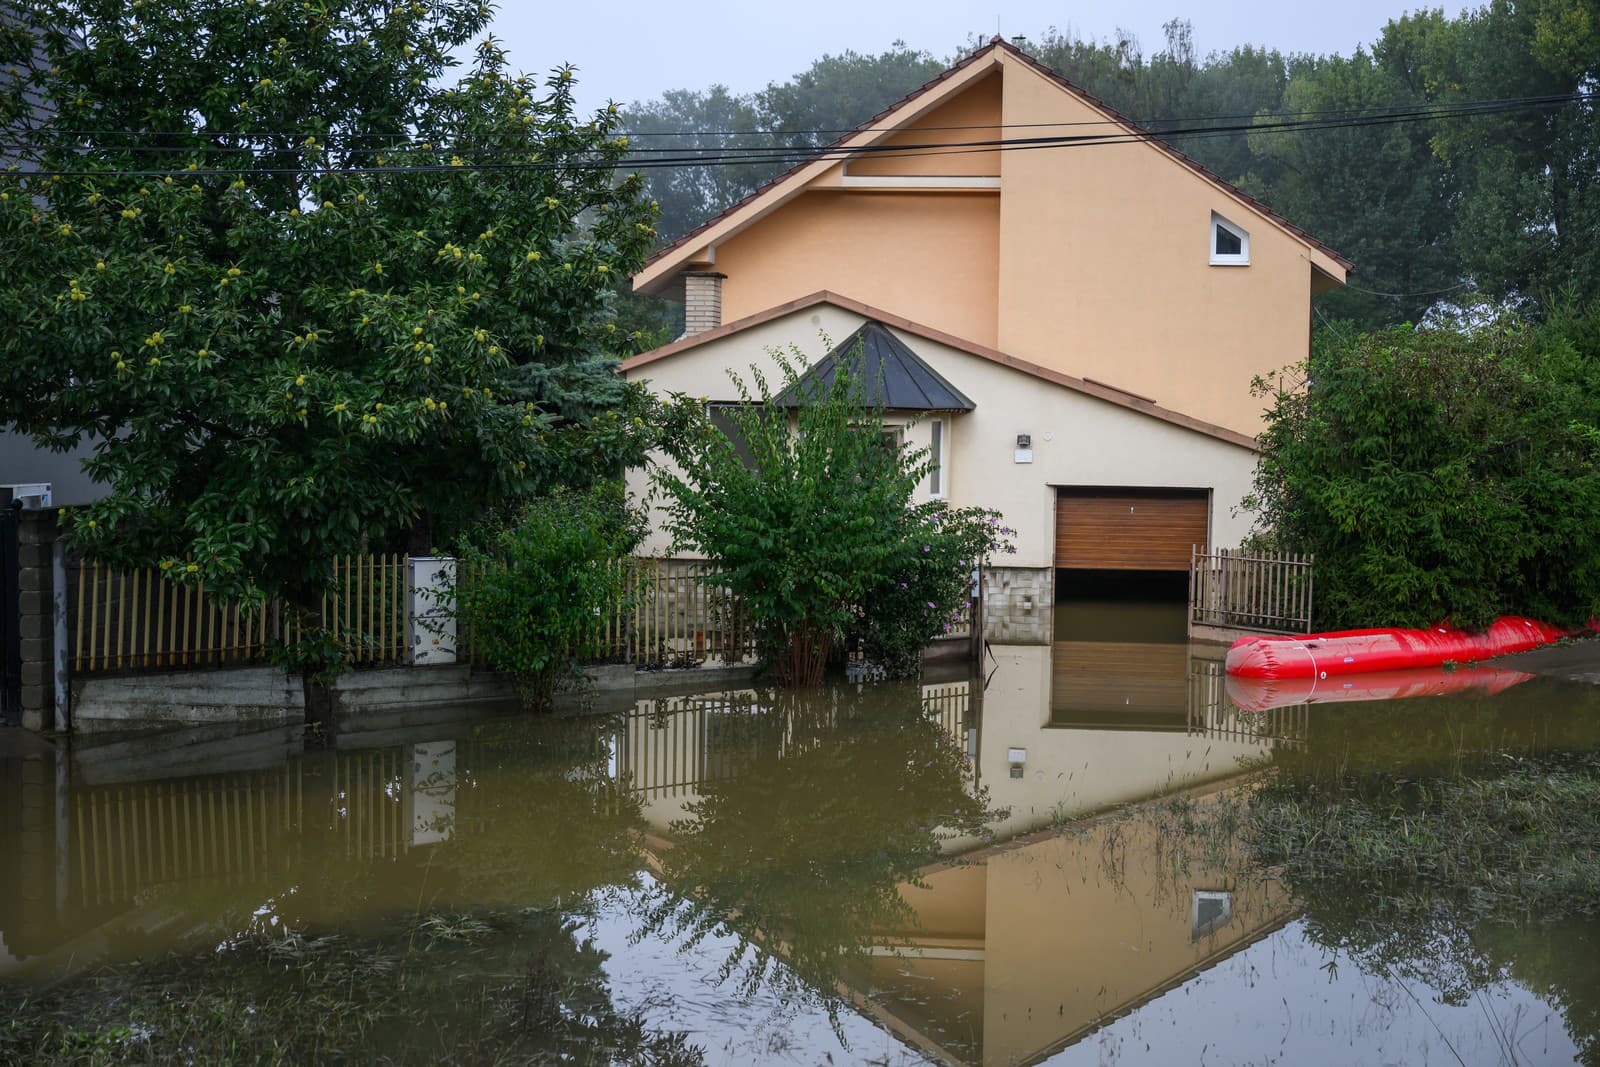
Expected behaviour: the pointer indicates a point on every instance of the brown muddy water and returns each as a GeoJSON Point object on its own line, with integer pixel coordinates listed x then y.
{"type": "Point", "coordinates": [1035, 863]}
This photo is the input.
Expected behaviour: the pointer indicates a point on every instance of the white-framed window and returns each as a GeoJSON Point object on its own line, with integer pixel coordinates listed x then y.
{"type": "Point", "coordinates": [1209, 909]}
{"type": "Point", "coordinates": [1230, 244]}
{"type": "Point", "coordinates": [937, 443]}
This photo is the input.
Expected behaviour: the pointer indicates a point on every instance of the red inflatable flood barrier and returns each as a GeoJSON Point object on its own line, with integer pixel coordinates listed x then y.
{"type": "Point", "coordinates": [1368, 651]}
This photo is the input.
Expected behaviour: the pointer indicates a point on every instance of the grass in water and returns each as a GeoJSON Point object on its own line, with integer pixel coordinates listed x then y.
{"type": "Point", "coordinates": [1513, 836]}
{"type": "Point", "coordinates": [493, 988]}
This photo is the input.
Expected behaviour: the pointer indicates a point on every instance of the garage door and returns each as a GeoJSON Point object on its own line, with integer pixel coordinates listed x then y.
{"type": "Point", "coordinates": [1129, 530]}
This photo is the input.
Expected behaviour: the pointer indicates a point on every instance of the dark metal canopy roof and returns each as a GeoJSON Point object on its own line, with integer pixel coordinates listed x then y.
{"type": "Point", "coordinates": [892, 376]}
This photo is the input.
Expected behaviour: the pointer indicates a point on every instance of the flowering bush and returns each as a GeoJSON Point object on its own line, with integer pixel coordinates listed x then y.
{"type": "Point", "coordinates": [531, 591]}
{"type": "Point", "coordinates": [925, 592]}
{"type": "Point", "coordinates": [815, 526]}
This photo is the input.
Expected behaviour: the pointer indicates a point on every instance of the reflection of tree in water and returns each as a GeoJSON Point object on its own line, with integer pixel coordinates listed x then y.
{"type": "Point", "coordinates": [1444, 841]}
{"type": "Point", "coordinates": [539, 816]}
{"type": "Point", "coordinates": [530, 816]}
{"type": "Point", "coordinates": [1442, 734]}
{"type": "Point", "coordinates": [1560, 961]}
{"type": "Point", "coordinates": [842, 795]}
{"type": "Point", "coordinates": [1459, 955]}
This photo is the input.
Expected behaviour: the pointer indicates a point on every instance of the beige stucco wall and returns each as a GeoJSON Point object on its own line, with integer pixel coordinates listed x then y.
{"type": "Point", "coordinates": [1077, 439]}
{"type": "Point", "coordinates": [1091, 260]}
{"type": "Point", "coordinates": [1071, 772]}
{"type": "Point", "coordinates": [932, 257]}
{"type": "Point", "coordinates": [972, 116]}
{"type": "Point", "coordinates": [1105, 270]}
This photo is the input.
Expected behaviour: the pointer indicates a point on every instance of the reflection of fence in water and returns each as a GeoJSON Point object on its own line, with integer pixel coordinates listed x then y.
{"type": "Point", "coordinates": [234, 828]}
{"type": "Point", "coordinates": [1213, 715]}
{"type": "Point", "coordinates": [670, 746]}
{"type": "Point", "coordinates": [129, 838]}
{"type": "Point", "coordinates": [369, 803]}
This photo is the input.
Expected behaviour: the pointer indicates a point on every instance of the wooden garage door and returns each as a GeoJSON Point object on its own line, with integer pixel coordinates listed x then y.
{"type": "Point", "coordinates": [1129, 530]}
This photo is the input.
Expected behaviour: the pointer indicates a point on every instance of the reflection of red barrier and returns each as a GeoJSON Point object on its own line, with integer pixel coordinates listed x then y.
{"type": "Point", "coordinates": [1261, 694]}
{"type": "Point", "coordinates": [1370, 651]}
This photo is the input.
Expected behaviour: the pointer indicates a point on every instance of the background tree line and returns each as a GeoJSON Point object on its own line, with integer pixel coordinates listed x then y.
{"type": "Point", "coordinates": [1503, 205]}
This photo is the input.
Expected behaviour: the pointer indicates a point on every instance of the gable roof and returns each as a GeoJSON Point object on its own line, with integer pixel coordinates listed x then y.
{"type": "Point", "coordinates": [896, 378]}
{"type": "Point", "coordinates": [793, 180]}
{"type": "Point", "coordinates": [1086, 386]}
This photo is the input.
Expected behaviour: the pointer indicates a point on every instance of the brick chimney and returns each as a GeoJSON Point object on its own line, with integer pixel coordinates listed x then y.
{"type": "Point", "coordinates": [702, 301]}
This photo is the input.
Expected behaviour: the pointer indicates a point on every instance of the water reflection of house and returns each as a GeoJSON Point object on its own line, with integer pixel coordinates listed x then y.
{"type": "Point", "coordinates": [1024, 949]}
{"type": "Point", "coordinates": [1080, 726]}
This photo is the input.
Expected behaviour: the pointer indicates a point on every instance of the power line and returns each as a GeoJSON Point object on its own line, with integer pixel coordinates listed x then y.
{"type": "Point", "coordinates": [720, 157]}
{"type": "Point", "coordinates": [1441, 107]}
{"type": "Point", "coordinates": [1408, 296]}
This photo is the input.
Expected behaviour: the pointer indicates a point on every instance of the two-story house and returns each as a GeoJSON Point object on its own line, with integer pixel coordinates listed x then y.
{"type": "Point", "coordinates": [1073, 324]}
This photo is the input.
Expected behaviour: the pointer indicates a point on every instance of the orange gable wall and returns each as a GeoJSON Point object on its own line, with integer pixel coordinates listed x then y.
{"type": "Point", "coordinates": [970, 117]}
{"type": "Point", "coordinates": [1093, 261]}
{"type": "Point", "coordinates": [1105, 270]}
{"type": "Point", "coordinates": [932, 257]}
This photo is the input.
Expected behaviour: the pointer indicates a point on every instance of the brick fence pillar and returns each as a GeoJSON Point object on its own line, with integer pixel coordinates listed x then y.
{"type": "Point", "coordinates": [36, 537]}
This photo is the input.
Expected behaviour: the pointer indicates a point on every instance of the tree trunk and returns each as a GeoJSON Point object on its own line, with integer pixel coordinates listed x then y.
{"type": "Point", "coordinates": [321, 728]}
{"type": "Point", "coordinates": [419, 538]}
{"type": "Point", "coordinates": [806, 658]}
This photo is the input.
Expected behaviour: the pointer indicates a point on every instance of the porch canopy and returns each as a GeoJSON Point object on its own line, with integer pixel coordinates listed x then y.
{"type": "Point", "coordinates": [893, 376]}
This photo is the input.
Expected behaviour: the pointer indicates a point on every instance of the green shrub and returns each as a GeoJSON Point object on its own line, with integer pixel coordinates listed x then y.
{"type": "Point", "coordinates": [813, 526]}
{"type": "Point", "coordinates": [532, 590]}
{"type": "Point", "coordinates": [927, 586]}
{"type": "Point", "coordinates": [1440, 473]}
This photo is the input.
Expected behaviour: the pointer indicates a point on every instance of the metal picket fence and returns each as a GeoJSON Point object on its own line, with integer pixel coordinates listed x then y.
{"type": "Point", "coordinates": [139, 620]}
{"type": "Point", "coordinates": [1251, 591]}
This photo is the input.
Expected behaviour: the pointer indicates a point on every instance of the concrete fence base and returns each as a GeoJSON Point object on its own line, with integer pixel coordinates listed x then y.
{"type": "Point", "coordinates": [386, 698]}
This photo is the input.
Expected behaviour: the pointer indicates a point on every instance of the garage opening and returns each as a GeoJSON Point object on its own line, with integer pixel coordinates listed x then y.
{"type": "Point", "coordinates": [1122, 562]}
{"type": "Point", "coordinates": [1130, 529]}
{"type": "Point", "coordinates": [1121, 630]}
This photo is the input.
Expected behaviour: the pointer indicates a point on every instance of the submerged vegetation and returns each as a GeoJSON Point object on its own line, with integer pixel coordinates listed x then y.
{"type": "Point", "coordinates": [1514, 836]}
{"type": "Point", "coordinates": [516, 986]}
{"type": "Point", "coordinates": [1501, 833]}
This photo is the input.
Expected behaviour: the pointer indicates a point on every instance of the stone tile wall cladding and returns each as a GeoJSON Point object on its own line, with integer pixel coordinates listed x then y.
{"type": "Point", "coordinates": [1018, 605]}
{"type": "Point", "coordinates": [36, 538]}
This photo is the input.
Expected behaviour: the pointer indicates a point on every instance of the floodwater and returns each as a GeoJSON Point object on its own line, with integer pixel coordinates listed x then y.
{"type": "Point", "coordinates": [976, 869]}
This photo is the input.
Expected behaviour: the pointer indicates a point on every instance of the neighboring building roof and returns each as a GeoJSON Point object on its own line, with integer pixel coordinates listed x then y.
{"type": "Point", "coordinates": [771, 186]}
{"type": "Point", "coordinates": [1099, 390]}
{"type": "Point", "coordinates": [896, 378]}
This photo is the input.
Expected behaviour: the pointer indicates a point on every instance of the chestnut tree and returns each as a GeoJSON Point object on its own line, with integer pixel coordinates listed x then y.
{"type": "Point", "coordinates": [305, 284]}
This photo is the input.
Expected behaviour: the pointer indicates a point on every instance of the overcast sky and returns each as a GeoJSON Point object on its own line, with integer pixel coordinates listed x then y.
{"type": "Point", "coordinates": [629, 51]}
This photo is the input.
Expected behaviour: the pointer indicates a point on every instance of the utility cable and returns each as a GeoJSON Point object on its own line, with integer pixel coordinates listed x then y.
{"type": "Point", "coordinates": [795, 156]}
{"type": "Point", "coordinates": [1375, 109]}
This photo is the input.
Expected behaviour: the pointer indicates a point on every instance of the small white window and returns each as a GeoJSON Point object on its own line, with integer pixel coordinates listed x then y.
{"type": "Point", "coordinates": [1209, 910]}
{"type": "Point", "coordinates": [1230, 244]}
{"type": "Point", "coordinates": [936, 457]}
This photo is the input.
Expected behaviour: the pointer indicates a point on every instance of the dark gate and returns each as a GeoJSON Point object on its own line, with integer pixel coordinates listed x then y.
{"type": "Point", "coordinates": [10, 613]}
